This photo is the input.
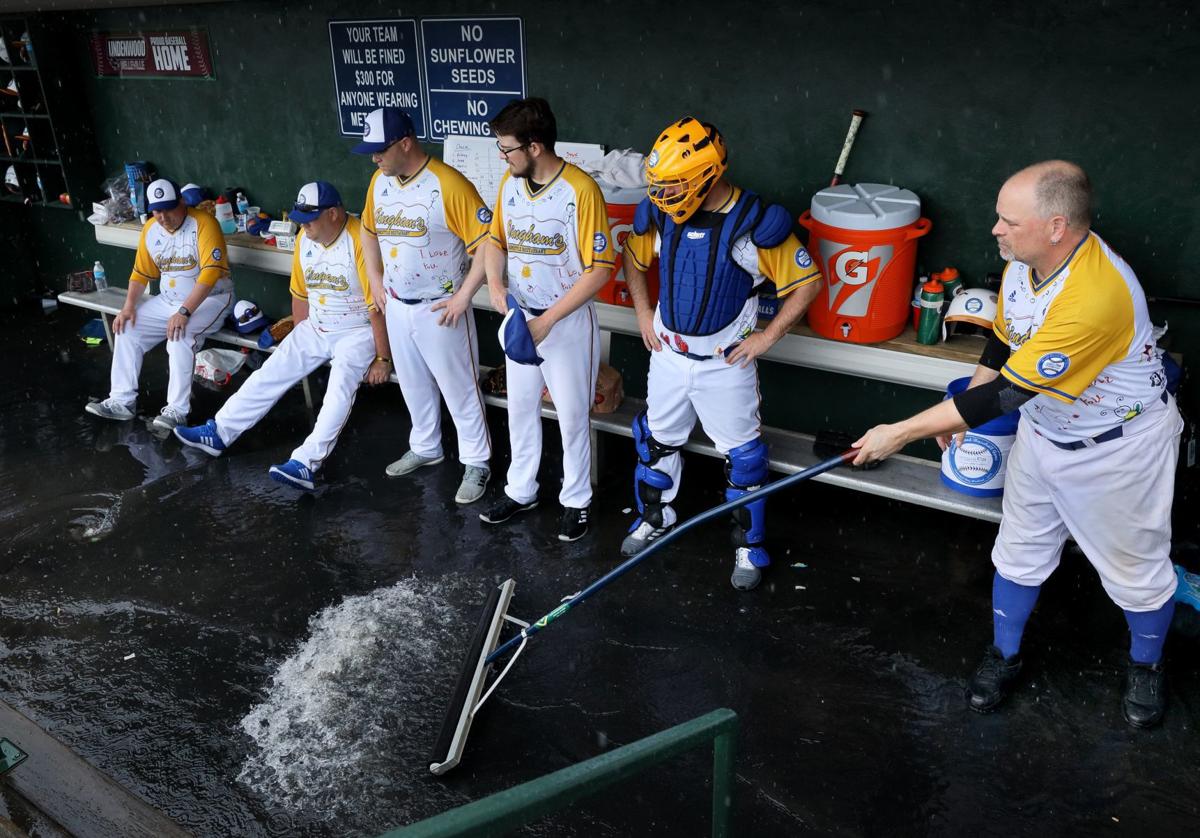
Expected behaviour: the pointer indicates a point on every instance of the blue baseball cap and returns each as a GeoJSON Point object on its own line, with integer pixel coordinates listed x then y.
{"type": "Point", "coordinates": [192, 194]}
{"type": "Point", "coordinates": [515, 339]}
{"type": "Point", "coordinates": [383, 127]}
{"type": "Point", "coordinates": [313, 198]}
{"type": "Point", "coordinates": [162, 194]}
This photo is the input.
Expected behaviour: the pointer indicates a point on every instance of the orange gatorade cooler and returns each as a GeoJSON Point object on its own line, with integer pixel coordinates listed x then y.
{"type": "Point", "coordinates": [864, 237]}
{"type": "Point", "coordinates": [622, 203]}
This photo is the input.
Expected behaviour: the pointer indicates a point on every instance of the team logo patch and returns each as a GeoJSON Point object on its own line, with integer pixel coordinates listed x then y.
{"type": "Point", "coordinates": [1053, 364]}
{"type": "Point", "coordinates": [300, 198]}
{"type": "Point", "coordinates": [652, 160]}
{"type": "Point", "coordinates": [803, 260]}
{"type": "Point", "coordinates": [484, 215]}
{"type": "Point", "coordinates": [159, 192]}
{"type": "Point", "coordinates": [599, 243]}
{"type": "Point", "coordinates": [974, 305]}
{"type": "Point", "coordinates": [216, 254]}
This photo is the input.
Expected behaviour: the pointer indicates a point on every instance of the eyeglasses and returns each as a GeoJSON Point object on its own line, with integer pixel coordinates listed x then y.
{"type": "Point", "coordinates": [386, 148]}
{"type": "Point", "coordinates": [508, 151]}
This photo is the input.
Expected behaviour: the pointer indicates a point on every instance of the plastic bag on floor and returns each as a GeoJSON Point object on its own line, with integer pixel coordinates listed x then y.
{"type": "Point", "coordinates": [218, 365]}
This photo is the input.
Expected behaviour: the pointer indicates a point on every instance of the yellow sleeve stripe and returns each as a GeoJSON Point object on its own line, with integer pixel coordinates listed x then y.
{"type": "Point", "coordinates": [815, 276]}
{"type": "Point", "coordinates": [609, 262]}
{"type": "Point", "coordinates": [637, 262]}
{"type": "Point", "coordinates": [1000, 334]}
{"type": "Point", "coordinates": [474, 243]}
{"type": "Point", "coordinates": [1015, 378]}
{"type": "Point", "coordinates": [298, 296]}
{"type": "Point", "coordinates": [140, 277]}
{"type": "Point", "coordinates": [499, 243]}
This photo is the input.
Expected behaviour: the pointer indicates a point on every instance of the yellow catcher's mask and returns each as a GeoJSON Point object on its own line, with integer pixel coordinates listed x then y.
{"type": "Point", "coordinates": [687, 159]}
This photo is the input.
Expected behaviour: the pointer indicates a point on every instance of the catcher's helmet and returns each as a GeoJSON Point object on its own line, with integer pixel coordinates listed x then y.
{"type": "Point", "coordinates": [687, 159]}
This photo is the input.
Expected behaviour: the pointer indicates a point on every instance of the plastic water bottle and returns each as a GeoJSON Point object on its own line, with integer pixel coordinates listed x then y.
{"type": "Point", "coordinates": [225, 216]}
{"type": "Point", "coordinates": [99, 276]}
{"type": "Point", "coordinates": [243, 211]}
{"type": "Point", "coordinates": [929, 329]}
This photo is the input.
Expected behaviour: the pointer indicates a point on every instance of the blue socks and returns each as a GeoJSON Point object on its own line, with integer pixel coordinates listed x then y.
{"type": "Point", "coordinates": [1148, 632]}
{"type": "Point", "coordinates": [1011, 606]}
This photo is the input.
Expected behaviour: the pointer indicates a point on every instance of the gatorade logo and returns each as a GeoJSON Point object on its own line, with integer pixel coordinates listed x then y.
{"type": "Point", "coordinates": [855, 267]}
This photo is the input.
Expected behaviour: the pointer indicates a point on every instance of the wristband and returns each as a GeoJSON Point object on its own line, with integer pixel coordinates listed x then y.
{"type": "Point", "coordinates": [381, 358]}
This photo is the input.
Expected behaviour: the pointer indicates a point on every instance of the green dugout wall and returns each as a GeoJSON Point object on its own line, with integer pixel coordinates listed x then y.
{"type": "Point", "coordinates": [959, 96]}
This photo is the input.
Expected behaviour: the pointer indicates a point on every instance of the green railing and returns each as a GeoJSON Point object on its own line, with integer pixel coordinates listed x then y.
{"type": "Point", "coordinates": [507, 810]}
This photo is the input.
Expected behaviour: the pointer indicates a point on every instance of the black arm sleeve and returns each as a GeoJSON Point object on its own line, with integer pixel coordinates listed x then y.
{"type": "Point", "coordinates": [987, 401]}
{"type": "Point", "coordinates": [995, 354]}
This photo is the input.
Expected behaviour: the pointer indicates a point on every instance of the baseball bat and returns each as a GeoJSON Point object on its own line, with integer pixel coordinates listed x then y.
{"type": "Point", "coordinates": [856, 118]}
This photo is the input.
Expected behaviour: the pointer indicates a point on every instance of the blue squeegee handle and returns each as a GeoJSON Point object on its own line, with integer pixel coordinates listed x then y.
{"type": "Point", "coordinates": [623, 568]}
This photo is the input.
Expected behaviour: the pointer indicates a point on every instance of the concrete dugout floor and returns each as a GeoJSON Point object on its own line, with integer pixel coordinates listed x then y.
{"type": "Point", "coordinates": [341, 618]}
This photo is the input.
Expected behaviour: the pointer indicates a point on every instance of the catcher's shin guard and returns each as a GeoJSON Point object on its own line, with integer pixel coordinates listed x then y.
{"type": "Point", "coordinates": [648, 482]}
{"type": "Point", "coordinates": [746, 470]}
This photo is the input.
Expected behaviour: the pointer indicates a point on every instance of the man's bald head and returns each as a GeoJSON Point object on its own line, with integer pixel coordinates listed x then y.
{"type": "Point", "coordinates": [1058, 188]}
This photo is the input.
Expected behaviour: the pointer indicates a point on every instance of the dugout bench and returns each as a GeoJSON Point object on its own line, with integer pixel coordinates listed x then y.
{"type": "Point", "coordinates": [900, 361]}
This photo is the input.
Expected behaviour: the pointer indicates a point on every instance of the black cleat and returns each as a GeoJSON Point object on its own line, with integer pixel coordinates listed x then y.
{"type": "Point", "coordinates": [574, 524]}
{"type": "Point", "coordinates": [505, 508]}
{"type": "Point", "coordinates": [1145, 698]}
{"type": "Point", "coordinates": [990, 683]}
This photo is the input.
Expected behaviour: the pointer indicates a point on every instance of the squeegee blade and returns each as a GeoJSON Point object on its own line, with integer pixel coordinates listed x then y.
{"type": "Point", "coordinates": [472, 678]}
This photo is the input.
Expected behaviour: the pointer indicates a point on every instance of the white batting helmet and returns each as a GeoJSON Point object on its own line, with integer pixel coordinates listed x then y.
{"type": "Point", "coordinates": [971, 312]}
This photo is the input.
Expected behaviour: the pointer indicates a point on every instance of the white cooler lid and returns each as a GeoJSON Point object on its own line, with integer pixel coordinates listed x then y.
{"type": "Point", "coordinates": [866, 206]}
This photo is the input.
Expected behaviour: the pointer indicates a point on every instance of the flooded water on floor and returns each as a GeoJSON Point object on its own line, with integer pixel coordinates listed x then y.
{"type": "Point", "coordinates": [256, 662]}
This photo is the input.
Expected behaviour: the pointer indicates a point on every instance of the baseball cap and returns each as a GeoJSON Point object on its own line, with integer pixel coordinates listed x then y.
{"type": "Point", "coordinates": [314, 197]}
{"type": "Point", "coordinates": [192, 194]}
{"type": "Point", "coordinates": [515, 339]}
{"type": "Point", "coordinates": [247, 316]}
{"type": "Point", "coordinates": [162, 194]}
{"type": "Point", "coordinates": [383, 127]}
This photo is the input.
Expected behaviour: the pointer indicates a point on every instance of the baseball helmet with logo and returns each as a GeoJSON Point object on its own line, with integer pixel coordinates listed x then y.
{"type": "Point", "coordinates": [971, 312]}
{"type": "Point", "coordinates": [687, 159]}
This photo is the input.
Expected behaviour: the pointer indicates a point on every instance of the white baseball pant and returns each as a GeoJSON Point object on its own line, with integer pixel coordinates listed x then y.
{"type": "Point", "coordinates": [439, 362]}
{"type": "Point", "coordinates": [1113, 498]}
{"type": "Point", "coordinates": [725, 397]}
{"type": "Point", "coordinates": [571, 354]}
{"type": "Point", "coordinates": [149, 329]}
{"type": "Point", "coordinates": [302, 351]}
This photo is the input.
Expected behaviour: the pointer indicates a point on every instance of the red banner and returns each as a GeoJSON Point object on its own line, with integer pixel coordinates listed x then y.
{"type": "Point", "coordinates": [178, 53]}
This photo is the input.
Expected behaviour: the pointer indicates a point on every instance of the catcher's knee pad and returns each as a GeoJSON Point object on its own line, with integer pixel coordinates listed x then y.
{"type": "Point", "coordinates": [648, 482]}
{"type": "Point", "coordinates": [746, 469]}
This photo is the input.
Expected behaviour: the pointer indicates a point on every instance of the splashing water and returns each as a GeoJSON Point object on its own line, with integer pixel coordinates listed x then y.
{"type": "Point", "coordinates": [349, 716]}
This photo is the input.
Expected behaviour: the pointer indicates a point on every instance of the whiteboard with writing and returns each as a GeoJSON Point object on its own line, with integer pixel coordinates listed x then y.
{"type": "Point", "coordinates": [478, 159]}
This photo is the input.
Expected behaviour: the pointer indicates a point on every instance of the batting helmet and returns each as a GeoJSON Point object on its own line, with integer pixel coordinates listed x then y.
{"type": "Point", "coordinates": [971, 312]}
{"type": "Point", "coordinates": [687, 159]}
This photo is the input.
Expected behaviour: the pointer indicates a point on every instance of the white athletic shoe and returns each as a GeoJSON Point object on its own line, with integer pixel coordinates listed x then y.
{"type": "Point", "coordinates": [169, 419]}
{"type": "Point", "coordinates": [746, 574]}
{"type": "Point", "coordinates": [646, 533]}
{"type": "Point", "coordinates": [409, 463]}
{"type": "Point", "coordinates": [475, 480]}
{"type": "Point", "coordinates": [110, 409]}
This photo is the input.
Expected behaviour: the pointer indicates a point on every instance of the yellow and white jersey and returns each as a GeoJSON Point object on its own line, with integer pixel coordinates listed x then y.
{"type": "Point", "coordinates": [787, 265]}
{"type": "Point", "coordinates": [426, 226]}
{"type": "Point", "coordinates": [195, 253]}
{"type": "Point", "coordinates": [1081, 339]}
{"type": "Point", "coordinates": [333, 280]}
{"type": "Point", "coordinates": [552, 237]}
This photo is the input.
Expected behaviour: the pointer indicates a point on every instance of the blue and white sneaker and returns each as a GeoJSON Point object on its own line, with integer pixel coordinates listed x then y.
{"type": "Point", "coordinates": [746, 564]}
{"type": "Point", "coordinates": [293, 473]}
{"type": "Point", "coordinates": [204, 437]}
{"type": "Point", "coordinates": [1188, 591]}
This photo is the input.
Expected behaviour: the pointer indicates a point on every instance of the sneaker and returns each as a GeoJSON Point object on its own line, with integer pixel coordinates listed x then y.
{"type": "Point", "coordinates": [746, 573]}
{"type": "Point", "coordinates": [410, 462]}
{"type": "Point", "coordinates": [643, 533]}
{"type": "Point", "coordinates": [503, 509]}
{"type": "Point", "coordinates": [168, 419]}
{"type": "Point", "coordinates": [1145, 699]}
{"type": "Point", "coordinates": [992, 680]}
{"type": "Point", "coordinates": [574, 524]}
{"type": "Point", "coordinates": [293, 473]}
{"type": "Point", "coordinates": [475, 480]}
{"type": "Point", "coordinates": [110, 409]}
{"type": "Point", "coordinates": [204, 437]}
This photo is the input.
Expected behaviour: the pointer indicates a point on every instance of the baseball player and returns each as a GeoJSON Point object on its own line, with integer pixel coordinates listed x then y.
{"type": "Point", "coordinates": [1098, 441]}
{"type": "Point", "coordinates": [336, 321]}
{"type": "Point", "coordinates": [420, 221]}
{"type": "Point", "coordinates": [716, 244]}
{"type": "Point", "coordinates": [550, 229]}
{"type": "Point", "coordinates": [184, 249]}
